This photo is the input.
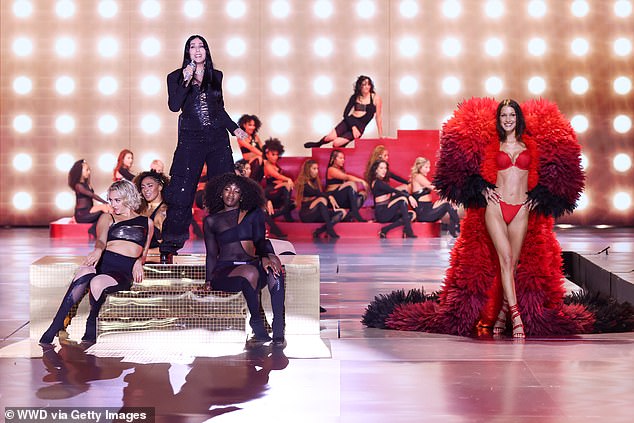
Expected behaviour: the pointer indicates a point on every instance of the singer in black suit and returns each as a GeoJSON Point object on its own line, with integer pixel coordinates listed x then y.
{"type": "Point", "coordinates": [195, 90]}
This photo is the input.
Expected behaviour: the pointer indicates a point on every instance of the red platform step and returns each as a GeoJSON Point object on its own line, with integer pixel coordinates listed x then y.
{"type": "Point", "coordinates": [66, 227]}
{"type": "Point", "coordinates": [368, 230]}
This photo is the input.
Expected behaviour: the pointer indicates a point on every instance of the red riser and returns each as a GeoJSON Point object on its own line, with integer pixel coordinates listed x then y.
{"type": "Point", "coordinates": [66, 227]}
{"type": "Point", "coordinates": [368, 230]}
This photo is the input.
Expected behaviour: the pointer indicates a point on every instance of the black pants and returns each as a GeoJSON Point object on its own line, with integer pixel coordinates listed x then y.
{"type": "Point", "coordinates": [425, 212]}
{"type": "Point", "coordinates": [194, 149]}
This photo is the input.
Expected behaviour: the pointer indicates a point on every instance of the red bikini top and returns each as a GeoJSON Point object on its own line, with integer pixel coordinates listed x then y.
{"type": "Point", "coordinates": [521, 162]}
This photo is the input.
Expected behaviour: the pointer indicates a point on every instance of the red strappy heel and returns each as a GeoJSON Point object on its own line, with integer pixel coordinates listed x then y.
{"type": "Point", "coordinates": [500, 323]}
{"type": "Point", "coordinates": [515, 314]}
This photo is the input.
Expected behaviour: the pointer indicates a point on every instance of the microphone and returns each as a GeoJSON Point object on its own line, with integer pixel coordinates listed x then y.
{"type": "Point", "coordinates": [189, 78]}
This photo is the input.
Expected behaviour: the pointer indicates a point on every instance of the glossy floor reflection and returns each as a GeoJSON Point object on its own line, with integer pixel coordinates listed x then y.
{"type": "Point", "coordinates": [364, 375]}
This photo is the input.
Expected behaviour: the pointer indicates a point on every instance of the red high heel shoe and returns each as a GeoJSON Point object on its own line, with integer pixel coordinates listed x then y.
{"type": "Point", "coordinates": [518, 329]}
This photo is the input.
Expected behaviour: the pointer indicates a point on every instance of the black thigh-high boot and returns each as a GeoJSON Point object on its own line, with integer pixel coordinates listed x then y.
{"type": "Point", "coordinates": [329, 220]}
{"type": "Point", "coordinates": [407, 222]}
{"type": "Point", "coordinates": [354, 207]}
{"type": "Point", "coordinates": [277, 291]}
{"type": "Point", "coordinates": [252, 298]}
{"type": "Point", "coordinates": [72, 296]}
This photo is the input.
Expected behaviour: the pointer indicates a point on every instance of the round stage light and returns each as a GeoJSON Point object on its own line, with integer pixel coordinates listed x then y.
{"type": "Point", "coordinates": [451, 9]}
{"type": "Point", "coordinates": [22, 85]}
{"type": "Point", "coordinates": [64, 161]}
{"type": "Point", "coordinates": [150, 8]}
{"type": "Point", "coordinates": [107, 8]}
{"type": "Point", "coordinates": [148, 157]}
{"type": "Point", "coordinates": [622, 162]}
{"type": "Point", "coordinates": [451, 47]}
{"type": "Point", "coordinates": [537, 46]}
{"type": "Point", "coordinates": [537, 8]}
{"type": "Point", "coordinates": [408, 122]}
{"type": "Point", "coordinates": [451, 85]}
{"type": "Point", "coordinates": [151, 46]}
{"type": "Point", "coordinates": [622, 85]}
{"type": "Point", "coordinates": [150, 85]}
{"type": "Point", "coordinates": [494, 47]}
{"type": "Point", "coordinates": [22, 124]}
{"type": "Point", "coordinates": [579, 85]}
{"type": "Point", "coordinates": [236, 9]}
{"type": "Point", "coordinates": [579, 46]}
{"type": "Point", "coordinates": [585, 162]}
{"type": "Point", "coordinates": [408, 9]}
{"type": "Point", "coordinates": [22, 46]}
{"type": "Point", "coordinates": [280, 123]}
{"type": "Point", "coordinates": [408, 46]}
{"type": "Point", "coordinates": [22, 200]}
{"type": "Point", "coordinates": [65, 9]}
{"type": "Point", "coordinates": [323, 47]}
{"type": "Point", "coordinates": [107, 85]}
{"type": "Point", "coordinates": [65, 85]}
{"type": "Point", "coordinates": [106, 162]}
{"type": "Point", "coordinates": [108, 47]}
{"type": "Point", "coordinates": [366, 9]}
{"type": "Point", "coordinates": [622, 8]}
{"type": "Point", "coordinates": [622, 124]}
{"type": "Point", "coordinates": [579, 8]}
{"type": "Point", "coordinates": [579, 123]}
{"type": "Point", "coordinates": [22, 8]}
{"type": "Point", "coordinates": [280, 9]}
{"type": "Point", "coordinates": [65, 124]}
{"type": "Point", "coordinates": [193, 8]}
{"type": "Point", "coordinates": [323, 123]}
{"type": "Point", "coordinates": [582, 202]}
{"type": "Point", "coordinates": [622, 47]}
{"type": "Point", "coordinates": [280, 46]}
{"type": "Point", "coordinates": [150, 124]}
{"type": "Point", "coordinates": [536, 85]}
{"type": "Point", "coordinates": [622, 201]}
{"type": "Point", "coordinates": [65, 201]}
{"type": "Point", "coordinates": [236, 85]}
{"type": "Point", "coordinates": [236, 47]}
{"type": "Point", "coordinates": [365, 47]}
{"type": "Point", "coordinates": [280, 85]}
{"type": "Point", "coordinates": [22, 162]}
{"type": "Point", "coordinates": [108, 124]}
{"type": "Point", "coordinates": [322, 85]}
{"type": "Point", "coordinates": [323, 9]}
{"type": "Point", "coordinates": [408, 85]}
{"type": "Point", "coordinates": [494, 9]}
{"type": "Point", "coordinates": [65, 47]}
{"type": "Point", "coordinates": [493, 85]}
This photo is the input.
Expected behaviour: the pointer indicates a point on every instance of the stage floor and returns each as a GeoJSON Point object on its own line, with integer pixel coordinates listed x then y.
{"type": "Point", "coordinates": [352, 374]}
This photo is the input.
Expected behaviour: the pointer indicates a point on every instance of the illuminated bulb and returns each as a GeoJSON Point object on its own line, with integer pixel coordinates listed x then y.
{"type": "Point", "coordinates": [408, 9]}
{"type": "Point", "coordinates": [193, 8]}
{"type": "Point", "coordinates": [537, 8]}
{"type": "Point", "coordinates": [22, 162]}
{"type": "Point", "coordinates": [579, 85]}
{"type": "Point", "coordinates": [22, 124]}
{"type": "Point", "coordinates": [579, 46]}
{"type": "Point", "coordinates": [585, 162]}
{"type": "Point", "coordinates": [65, 201]}
{"type": "Point", "coordinates": [622, 201]}
{"type": "Point", "coordinates": [22, 8]}
{"type": "Point", "coordinates": [236, 85]}
{"type": "Point", "coordinates": [408, 47]}
{"type": "Point", "coordinates": [366, 9]}
{"type": "Point", "coordinates": [494, 8]}
{"type": "Point", "coordinates": [323, 9]}
{"type": "Point", "coordinates": [22, 200]}
{"type": "Point", "coordinates": [280, 85]}
{"type": "Point", "coordinates": [280, 9]}
{"type": "Point", "coordinates": [150, 85]}
{"type": "Point", "coordinates": [494, 47]}
{"type": "Point", "coordinates": [451, 9]}
{"type": "Point", "coordinates": [280, 46]}
{"type": "Point", "coordinates": [408, 122]}
{"type": "Point", "coordinates": [579, 8]}
{"type": "Point", "coordinates": [65, 124]}
{"type": "Point", "coordinates": [65, 85]}
{"type": "Point", "coordinates": [622, 8]}
{"type": "Point", "coordinates": [493, 85]}
{"type": "Point", "coordinates": [108, 124]}
{"type": "Point", "coordinates": [108, 47]}
{"type": "Point", "coordinates": [236, 9]}
{"type": "Point", "coordinates": [22, 85]}
{"type": "Point", "coordinates": [322, 85]}
{"type": "Point", "coordinates": [107, 85]}
{"type": "Point", "coordinates": [365, 47]}
{"type": "Point", "coordinates": [148, 158]}
{"type": "Point", "coordinates": [451, 47]}
{"type": "Point", "coordinates": [408, 85]}
{"type": "Point", "coordinates": [65, 8]}
{"type": "Point", "coordinates": [322, 123]}
{"type": "Point", "coordinates": [583, 201]}
{"type": "Point", "coordinates": [579, 123]}
{"type": "Point", "coordinates": [622, 47]}
{"type": "Point", "coordinates": [64, 161]}
{"type": "Point", "coordinates": [622, 124]}
{"type": "Point", "coordinates": [236, 47]}
{"type": "Point", "coordinates": [107, 8]}
{"type": "Point", "coordinates": [106, 162]}
{"type": "Point", "coordinates": [536, 85]}
{"type": "Point", "coordinates": [537, 46]}
{"type": "Point", "coordinates": [451, 85]}
{"type": "Point", "coordinates": [65, 47]}
{"type": "Point", "coordinates": [622, 162]}
{"type": "Point", "coordinates": [323, 47]}
{"type": "Point", "coordinates": [150, 8]}
{"type": "Point", "coordinates": [280, 123]}
{"type": "Point", "coordinates": [22, 46]}
{"type": "Point", "coordinates": [150, 124]}
{"type": "Point", "coordinates": [622, 85]}
{"type": "Point", "coordinates": [151, 46]}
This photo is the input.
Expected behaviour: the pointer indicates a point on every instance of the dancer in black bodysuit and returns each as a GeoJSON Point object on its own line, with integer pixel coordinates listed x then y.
{"type": "Point", "coordinates": [151, 186]}
{"type": "Point", "coordinates": [239, 257]}
{"type": "Point", "coordinates": [117, 260]}
{"type": "Point", "coordinates": [278, 186]}
{"type": "Point", "coordinates": [362, 106]}
{"type": "Point", "coordinates": [195, 89]}
{"type": "Point", "coordinates": [85, 210]}
{"type": "Point", "coordinates": [390, 204]}
{"type": "Point", "coordinates": [343, 186]}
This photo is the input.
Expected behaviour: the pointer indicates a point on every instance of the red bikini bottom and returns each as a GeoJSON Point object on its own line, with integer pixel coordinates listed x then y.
{"type": "Point", "coordinates": [509, 211]}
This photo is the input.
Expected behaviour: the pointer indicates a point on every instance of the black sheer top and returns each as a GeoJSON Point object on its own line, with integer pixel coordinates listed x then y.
{"type": "Point", "coordinates": [223, 236]}
{"type": "Point", "coordinates": [156, 236]}
{"type": "Point", "coordinates": [126, 173]}
{"type": "Point", "coordinates": [132, 230]}
{"type": "Point", "coordinates": [370, 110]}
{"type": "Point", "coordinates": [84, 194]}
{"type": "Point", "coordinates": [380, 187]}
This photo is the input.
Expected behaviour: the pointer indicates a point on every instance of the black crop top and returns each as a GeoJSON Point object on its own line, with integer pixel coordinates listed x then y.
{"type": "Point", "coordinates": [381, 187]}
{"type": "Point", "coordinates": [156, 236]}
{"type": "Point", "coordinates": [254, 143]}
{"type": "Point", "coordinates": [223, 234]}
{"type": "Point", "coordinates": [312, 192]}
{"type": "Point", "coordinates": [132, 230]}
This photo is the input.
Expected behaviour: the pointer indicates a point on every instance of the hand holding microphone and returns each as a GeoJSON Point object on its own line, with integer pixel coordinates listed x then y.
{"type": "Point", "coordinates": [188, 72]}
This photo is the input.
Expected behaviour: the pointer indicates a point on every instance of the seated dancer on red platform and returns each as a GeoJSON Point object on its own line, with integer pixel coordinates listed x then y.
{"type": "Point", "coordinates": [344, 186]}
{"type": "Point", "coordinates": [85, 210]}
{"type": "Point", "coordinates": [122, 168]}
{"type": "Point", "coordinates": [239, 257]}
{"type": "Point", "coordinates": [421, 189]}
{"type": "Point", "coordinates": [150, 185]}
{"type": "Point", "coordinates": [390, 204]}
{"type": "Point", "coordinates": [278, 186]}
{"type": "Point", "coordinates": [252, 147]}
{"type": "Point", "coordinates": [381, 153]}
{"type": "Point", "coordinates": [362, 106]}
{"type": "Point", "coordinates": [314, 202]}
{"type": "Point", "coordinates": [117, 260]}
{"type": "Point", "coordinates": [514, 169]}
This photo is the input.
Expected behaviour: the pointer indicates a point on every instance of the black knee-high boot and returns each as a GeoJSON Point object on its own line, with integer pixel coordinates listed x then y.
{"type": "Point", "coordinates": [277, 291]}
{"type": "Point", "coordinates": [354, 207]}
{"type": "Point", "coordinates": [407, 222]}
{"type": "Point", "coordinates": [329, 220]}
{"type": "Point", "coordinates": [253, 304]}
{"type": "Point", "coordinates": [90, 335]}
{"type": "Point", "coordinates": [72, 296]}
{"type": "Point", "coordinates": [286, 207]}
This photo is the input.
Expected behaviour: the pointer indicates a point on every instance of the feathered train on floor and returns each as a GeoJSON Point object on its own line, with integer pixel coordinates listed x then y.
{"type": "Point", "coordinates": [471, 293]}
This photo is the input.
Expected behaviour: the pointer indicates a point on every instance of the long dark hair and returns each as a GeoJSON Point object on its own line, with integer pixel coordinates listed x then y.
{"type": "Point", "coordinates": [520, 123]}
{"type": "Point", "coordinates": [304, 178]}
{"type": "Point", "coordinates": [210, 80]}
{"type": "Point", "coordinates": [357, 85]}
{"type": "Point", "coordinates": [74, 174]}
{"type": "Point", "coordinates": [372, 172]}
{"type": "Point", "coordinates": [333, 157]}
{"type": "Point", "coordinates": [251, 197]}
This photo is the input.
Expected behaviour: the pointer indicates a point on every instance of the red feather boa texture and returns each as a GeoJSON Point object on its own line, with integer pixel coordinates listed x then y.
{"type": "Point", "coordinates": [471, 293]}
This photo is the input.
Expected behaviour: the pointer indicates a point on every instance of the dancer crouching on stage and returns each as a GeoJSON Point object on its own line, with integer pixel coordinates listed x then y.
{"type": "Point", "coordinates": [123, 239]}
{"type": "Point", "coordinates": [239, 257]}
